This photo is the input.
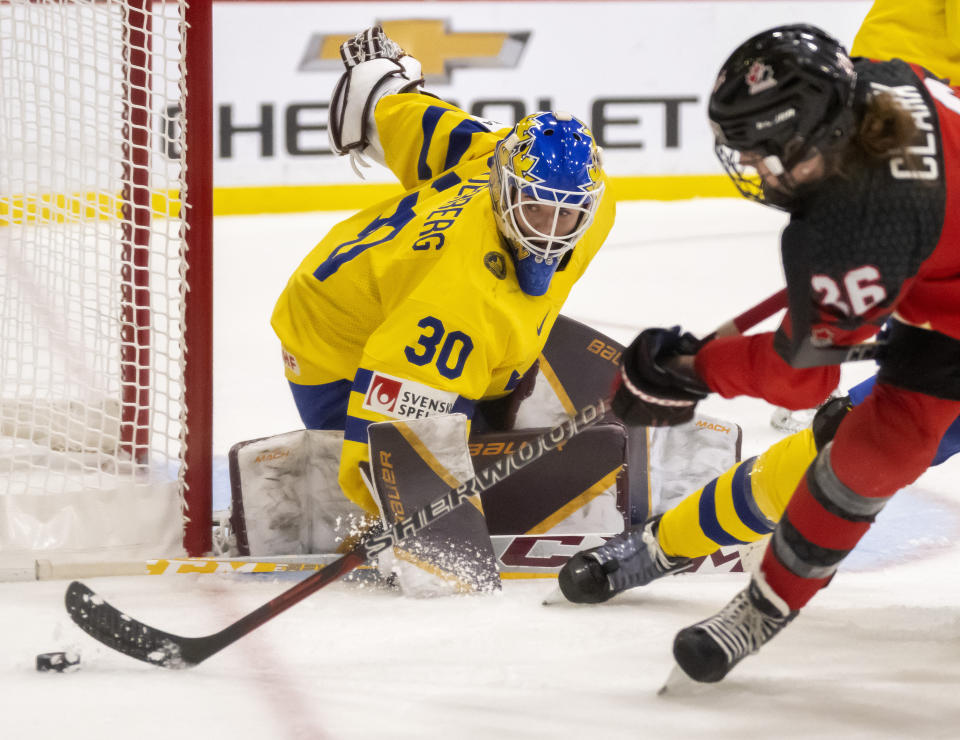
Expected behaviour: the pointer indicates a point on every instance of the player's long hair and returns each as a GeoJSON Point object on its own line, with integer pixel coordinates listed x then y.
{"type": "Point", "coordinates": [885, 130]}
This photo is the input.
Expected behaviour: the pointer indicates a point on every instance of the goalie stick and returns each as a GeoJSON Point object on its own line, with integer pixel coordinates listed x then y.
{"type": "Point", "coordinates": [115, 629]}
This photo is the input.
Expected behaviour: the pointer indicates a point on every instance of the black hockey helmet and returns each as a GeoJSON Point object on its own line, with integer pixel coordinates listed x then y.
{"type": "Point", "coordinates": [784, 95]}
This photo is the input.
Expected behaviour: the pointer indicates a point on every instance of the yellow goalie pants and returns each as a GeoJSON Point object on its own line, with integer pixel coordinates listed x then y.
{"type": "Point", "coordinates": [740, 506]}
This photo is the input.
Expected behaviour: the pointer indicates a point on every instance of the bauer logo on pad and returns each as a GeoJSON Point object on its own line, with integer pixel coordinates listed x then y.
{"type": "Point", "coordinates": [406, 399]}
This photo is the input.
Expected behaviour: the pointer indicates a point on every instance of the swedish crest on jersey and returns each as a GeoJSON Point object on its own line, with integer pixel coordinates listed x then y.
{"type": "Point", "coordinates": [496, 263]}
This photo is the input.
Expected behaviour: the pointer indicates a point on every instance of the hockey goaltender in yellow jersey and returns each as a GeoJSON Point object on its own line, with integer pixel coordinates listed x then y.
{"type": "Point", "coordinates": [438, 298]}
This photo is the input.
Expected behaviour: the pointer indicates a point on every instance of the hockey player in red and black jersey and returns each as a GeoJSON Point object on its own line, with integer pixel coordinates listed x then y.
{"type": "Point", "coordinates": [864, 155]}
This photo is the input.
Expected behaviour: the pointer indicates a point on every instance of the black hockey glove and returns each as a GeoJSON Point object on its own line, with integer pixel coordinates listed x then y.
{"type": "Point", "coordinates": [652, 391]}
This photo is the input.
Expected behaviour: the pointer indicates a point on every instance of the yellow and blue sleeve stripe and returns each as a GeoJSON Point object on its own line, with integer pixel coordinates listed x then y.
{"type": "Point", "coordinates": [456, 142]}
{"type": "Point", "coordinates": [723, 517]}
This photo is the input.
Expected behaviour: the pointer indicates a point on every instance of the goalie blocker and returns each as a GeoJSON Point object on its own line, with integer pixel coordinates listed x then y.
{"type": "Point", "coordinates": [413, 463]}
{"type": "Point", "coordinates": [286, 500]}
{"type": "Point", "coordinates": [579, 487]}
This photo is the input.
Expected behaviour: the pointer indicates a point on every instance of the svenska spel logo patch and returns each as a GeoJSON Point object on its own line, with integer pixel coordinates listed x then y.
{"type": "Point", "coordinates": [383, 394]}
{"type": "Point", "coordinates": [406, 399]}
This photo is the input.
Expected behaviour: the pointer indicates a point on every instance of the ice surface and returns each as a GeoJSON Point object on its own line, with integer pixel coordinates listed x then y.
{"type": "Point", "coordinates": [877, 655]}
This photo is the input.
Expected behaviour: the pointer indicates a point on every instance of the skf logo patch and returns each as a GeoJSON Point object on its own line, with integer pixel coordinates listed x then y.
{"type": "Point", "coordinates": [760, 77]}
{"type": "Point", "coordinates": [290, 362]}
{"type": "Point", "coordinates": [439, 49]}
{"type": "Point", "coordinates": [495, 262]}
{"type": "Point", "coordinates": [406, 399]}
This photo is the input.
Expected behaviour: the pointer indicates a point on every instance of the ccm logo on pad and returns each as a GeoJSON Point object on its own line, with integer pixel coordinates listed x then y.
{"type": "Point", "coordinates": [406, 399]}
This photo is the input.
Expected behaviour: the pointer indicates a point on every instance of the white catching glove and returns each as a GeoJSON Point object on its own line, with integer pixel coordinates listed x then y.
{"type": "Point", "coordinates": [370, 44]}
{"type": "Point", "coordinates": [376, 66]}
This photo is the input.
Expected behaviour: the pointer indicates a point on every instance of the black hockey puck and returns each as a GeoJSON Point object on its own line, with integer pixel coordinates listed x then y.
{"type": "Point", "coordinates": [58, 662]}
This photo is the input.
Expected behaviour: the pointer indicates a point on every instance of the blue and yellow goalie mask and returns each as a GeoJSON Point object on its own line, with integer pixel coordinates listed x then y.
{"type": "Point", "coordinates": [546, 183]}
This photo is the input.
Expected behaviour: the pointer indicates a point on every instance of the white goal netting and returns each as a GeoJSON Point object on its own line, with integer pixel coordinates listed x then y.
{"type": "Point", "coordinates": [92, 263]}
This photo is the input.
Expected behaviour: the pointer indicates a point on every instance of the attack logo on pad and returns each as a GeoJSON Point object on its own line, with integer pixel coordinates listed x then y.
{"type": "Point", "coordinates": [406, 399]}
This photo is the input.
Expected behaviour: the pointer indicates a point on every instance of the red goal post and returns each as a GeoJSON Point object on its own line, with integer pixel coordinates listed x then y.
{"type": "Point", "coordinates": [105, 278]}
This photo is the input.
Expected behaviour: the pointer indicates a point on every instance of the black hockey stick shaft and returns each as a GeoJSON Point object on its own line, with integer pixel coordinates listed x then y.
{"type": "Point", "coordinates": [113, 628]}
{"type": "Point", "coordinates": [117, 630]}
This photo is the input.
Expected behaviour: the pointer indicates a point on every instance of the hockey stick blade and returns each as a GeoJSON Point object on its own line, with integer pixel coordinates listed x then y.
{"type": "Point", "coordinates": [115, 629]}
{"type": "Point", "coordinates": [107, 624]}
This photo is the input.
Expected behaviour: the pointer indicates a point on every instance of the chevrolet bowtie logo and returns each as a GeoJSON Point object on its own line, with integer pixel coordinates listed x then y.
{"type": "Point", "coordinates": [439, 50]}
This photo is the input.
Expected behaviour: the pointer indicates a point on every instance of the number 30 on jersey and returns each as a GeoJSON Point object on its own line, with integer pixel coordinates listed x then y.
{"type": "Point", "coordinates": [448, 350]}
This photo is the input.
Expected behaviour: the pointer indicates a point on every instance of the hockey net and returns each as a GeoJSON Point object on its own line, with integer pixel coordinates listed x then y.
{"type": "Point", "coordinates": [104, 279]}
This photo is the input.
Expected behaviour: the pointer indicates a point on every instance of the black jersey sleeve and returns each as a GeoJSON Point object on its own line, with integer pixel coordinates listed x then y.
{"type": "Point", "coordinates": [854, 244]}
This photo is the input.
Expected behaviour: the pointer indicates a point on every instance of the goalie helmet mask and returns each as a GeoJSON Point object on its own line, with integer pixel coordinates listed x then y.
{"type": "Point", "coordinates": [783, 96]}
{"type": "Point", "coordinates": [546, 181]}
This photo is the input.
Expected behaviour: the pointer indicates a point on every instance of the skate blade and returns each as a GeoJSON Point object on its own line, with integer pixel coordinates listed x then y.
{"type": "Point", "coordinates": [554, 597]}
{"type": "Point", "coordinates": [679, 683]}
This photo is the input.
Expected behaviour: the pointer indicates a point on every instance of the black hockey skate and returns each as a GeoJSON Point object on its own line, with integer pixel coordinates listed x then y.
{"type": "Point", "coordinates": [632, 558]}
{"type": "Point", "coordinates": [707, 650]}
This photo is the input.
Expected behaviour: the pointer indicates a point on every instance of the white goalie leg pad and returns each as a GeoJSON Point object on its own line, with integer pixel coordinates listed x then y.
{"type": "Point", "coordinates": [352, 127]}
{"type": "Point", "coordinates": [413, 463]}
{"type": "Point", "coordinates": [286, 499]}
{"type": "Point", "coordinates": [687, 457]}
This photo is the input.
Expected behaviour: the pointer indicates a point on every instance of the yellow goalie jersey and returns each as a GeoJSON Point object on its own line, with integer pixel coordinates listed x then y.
{"type": "Point", "coordinates": [415, 300]}
{"type": "Point", "coordinates": [926, 32]}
